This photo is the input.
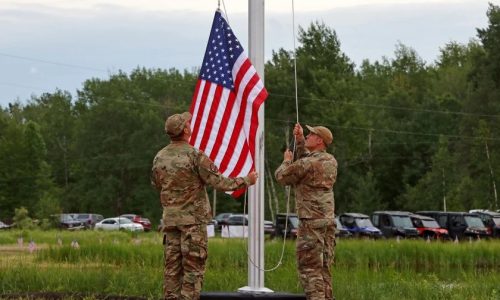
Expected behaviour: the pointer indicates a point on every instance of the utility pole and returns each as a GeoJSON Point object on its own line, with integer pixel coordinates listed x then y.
{"type": "Point", "coordinates": [492, 175]}
{"type": "Point", "coordinates": [444, 190]}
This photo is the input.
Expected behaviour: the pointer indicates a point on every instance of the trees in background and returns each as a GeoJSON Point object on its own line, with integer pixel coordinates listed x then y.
{"type": "Point", "coordinates": [407, 134]}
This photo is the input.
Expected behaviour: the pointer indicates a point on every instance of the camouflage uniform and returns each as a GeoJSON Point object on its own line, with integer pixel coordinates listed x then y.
{"type": "Point", "coordinates": [180, 172]}
{"type": "Point", "coordinates": [313, 176]}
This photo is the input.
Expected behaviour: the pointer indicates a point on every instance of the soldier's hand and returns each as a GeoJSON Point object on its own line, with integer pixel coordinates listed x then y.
{"type": "Point", "coordinates": [252, 176]}
{"type": "Point", "coordinates": [298, 132]}
{"type": "Point", "coordinates": [288, 155]}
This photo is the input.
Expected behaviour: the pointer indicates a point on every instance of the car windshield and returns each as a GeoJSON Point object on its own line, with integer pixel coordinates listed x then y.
{"type": "Point", "coordinates": [338, 224]}
{"type": "Point", "coordinates": [430, 224]}
{"type": "Point", "coordinates": [294, 221]}
{"type": "Point", "coordinates": [496, 220]}
{"type": "Point", "coordinates": [67, 218]}
{"type": "Point", "coordinates": [125, 221]}
{"type": "Point", "coordinates": [473, 221]}
{"type": "Point", "coordinates": [364, 222]}
{"type": "Point", "coordinates": [82, 217]}
{"type": "Point", "coordinates": [222, 216]}
{"type": "Point", "coordinates": [402, 221]}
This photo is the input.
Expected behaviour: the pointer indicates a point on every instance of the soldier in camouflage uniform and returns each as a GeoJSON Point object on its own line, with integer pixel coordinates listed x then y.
{"type": "Point", "coordinates": [180, 172]}
{"type": "Point", "coordinates": [313, 174]}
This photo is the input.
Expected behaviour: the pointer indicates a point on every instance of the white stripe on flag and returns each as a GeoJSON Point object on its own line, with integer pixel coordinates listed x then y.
{"type": "Point", "coordinates": [217, 121]}
{"type": "Point", "coordinates": [204, 118]}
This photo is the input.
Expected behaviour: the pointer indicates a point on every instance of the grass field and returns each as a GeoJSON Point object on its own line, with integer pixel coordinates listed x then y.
{"type": "Point", "coordinates": [120, 263]}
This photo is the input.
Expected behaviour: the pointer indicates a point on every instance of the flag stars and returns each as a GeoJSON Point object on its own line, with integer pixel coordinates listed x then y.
{"type": "Point", "coordinates": [221, 52]}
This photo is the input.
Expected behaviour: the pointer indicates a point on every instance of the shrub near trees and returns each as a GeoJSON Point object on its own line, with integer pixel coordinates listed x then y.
{"type": "Point", "coordinates": [407, 133]}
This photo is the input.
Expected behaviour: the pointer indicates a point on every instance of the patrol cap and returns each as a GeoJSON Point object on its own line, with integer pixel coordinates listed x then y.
{"type": "Point", "coordinates": [324, 133]}
{"type": "Point", "coordinates": [175, 123]}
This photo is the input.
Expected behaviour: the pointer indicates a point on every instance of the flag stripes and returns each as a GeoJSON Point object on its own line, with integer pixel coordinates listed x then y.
{"type": "Point", "coordinates": [225, 110]}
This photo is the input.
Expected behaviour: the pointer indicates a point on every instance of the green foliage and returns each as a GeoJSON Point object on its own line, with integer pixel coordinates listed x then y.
{"type": "Point", "coordinates": [407, 133]}
{"type": "Point", "coordinates": [22, 219]}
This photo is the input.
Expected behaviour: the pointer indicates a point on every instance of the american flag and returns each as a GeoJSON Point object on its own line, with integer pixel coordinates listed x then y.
{"type": "Point", "coordinates": [225, 105]}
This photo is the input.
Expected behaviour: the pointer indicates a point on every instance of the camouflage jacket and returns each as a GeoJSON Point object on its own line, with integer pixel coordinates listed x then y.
{"type": "Point", "coordinates": [313, 176]}
{"type": "Point", "coordinates": [180, 172]}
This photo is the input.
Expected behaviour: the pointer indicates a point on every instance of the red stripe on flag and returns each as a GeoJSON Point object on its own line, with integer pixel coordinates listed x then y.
{"type": "Point", "coordinates": [211, 117]}
{"type": "Point", "coordinates": [199, 114]}
{"type": "Point", "coordinates": [238, 193]}
{"type": "Point", "coordinates": [239, 123]}
{"type": "Point", "coordinates": [240, 118]}
{"type": "Point", "coordinates": [195, 95]}
{"type": "Point", "coordinates": [255, 120]}
{"type": "Point", "coordinates": [223, 127]}
{"type": "Point", "coordinates": [241, 161]}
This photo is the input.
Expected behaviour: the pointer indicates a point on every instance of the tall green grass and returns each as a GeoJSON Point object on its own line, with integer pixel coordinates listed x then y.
{"type": "Point", "coordinates": [113, 263]}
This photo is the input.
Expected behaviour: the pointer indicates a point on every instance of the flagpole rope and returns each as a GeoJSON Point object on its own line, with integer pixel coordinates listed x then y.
{"type": "Point", "coordinates": [295, 61]}
{"type": "Point", "coordinates": [225, 11]}
{"type": "Point", "coordinates": [280, 261]}
{"type": "Point", "coordinates": [289, 189]}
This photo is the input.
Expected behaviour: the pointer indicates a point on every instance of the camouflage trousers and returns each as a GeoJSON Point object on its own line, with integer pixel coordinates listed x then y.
{"type": "Point", "coordinates": [315, 254]}
{"type": "Point", "coordinates": [185, 256]}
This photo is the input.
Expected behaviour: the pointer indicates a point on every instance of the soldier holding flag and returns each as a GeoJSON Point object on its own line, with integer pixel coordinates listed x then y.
{"type": "Point", "coordinates": [180, 172]}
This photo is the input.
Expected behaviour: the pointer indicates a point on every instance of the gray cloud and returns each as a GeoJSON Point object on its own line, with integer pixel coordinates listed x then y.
{"type": "Point", "coordinates": [112, 37]}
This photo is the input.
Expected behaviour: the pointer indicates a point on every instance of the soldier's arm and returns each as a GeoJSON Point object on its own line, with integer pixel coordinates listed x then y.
{"type": "Point", "coordinates": [155, 178]}
{"type": "Point", "coordinates": [156, 174]}
{"type": "Point", "coordinates": [290, 173]}
{"type": "Point", "coordinates": [211, 176]}
{"type": "Point", "coordinates": [300, 149]}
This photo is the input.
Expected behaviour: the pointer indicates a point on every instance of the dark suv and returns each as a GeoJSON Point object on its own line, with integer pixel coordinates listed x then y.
{"type": "Point", "coordinates": [490, 219]}
{"type": "Point", "coordinates": [89, 219]}
{"type": "Point", "coordinates": [359, 225]}
{"type": "Point", "coordinates": [291, 227]}
{"type": "Point", "coordinates": [394, 223]}
{"type": "Point", "coordinates": [66, 221]}
{"type": "Point", "coordinates": [459, 224]}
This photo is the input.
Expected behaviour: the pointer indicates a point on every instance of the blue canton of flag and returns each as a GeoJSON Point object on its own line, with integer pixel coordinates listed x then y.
{"type": "Point", "coordinates": [222, 51]}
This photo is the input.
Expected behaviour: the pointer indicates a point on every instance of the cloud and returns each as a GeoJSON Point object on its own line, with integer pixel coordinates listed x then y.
{"type": "Point", "coordinates": [103, 35]}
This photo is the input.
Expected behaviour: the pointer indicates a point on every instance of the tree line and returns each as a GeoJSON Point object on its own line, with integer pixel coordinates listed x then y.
{"type": "Point", "coordinates": [408, 134]}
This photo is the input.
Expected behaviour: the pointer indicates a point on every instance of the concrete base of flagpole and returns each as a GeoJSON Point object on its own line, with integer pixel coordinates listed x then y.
{"type": "Point", "coordinates": [262, 290]}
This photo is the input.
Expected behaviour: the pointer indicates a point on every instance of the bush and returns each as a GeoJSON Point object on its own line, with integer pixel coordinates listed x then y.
{"type": "Point", "coordinates": [22, 219]}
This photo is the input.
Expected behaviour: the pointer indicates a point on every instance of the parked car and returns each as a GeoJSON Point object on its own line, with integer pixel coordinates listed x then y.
{"type": "Point", "coordinates": [222, 219]}
{"type": "Point", "coordinates": [66, 221]}
{"type": "Point", "coordinates": [340, 230]}
{"type": "Point", "coordinates": [241, 219]}
{"type": "Point", "coordinates": [118, 223]}
{"type": "Point", "coordinates": [89, 219]}
{"type": "Point", "coordinates": [428, 227]}
{"type": "Point", "coordinates": [459, 224]}
{"type": "Point", "coordinates": [146, 224]}
{"type": "Point", "coordinates": [394, 224]}
{"type": "Point", "coordinates": [237, 219]}
{"type": "Point", "coordinates": [359, 225]}
{"type": "Point", "coordinates": [491, 220]}
{"type": "Point", "coordinates": [4, 226]}
{"type": "Point", "coordinates": [268, 227]}
{"type": "Point", "coordinates": [286, 225]}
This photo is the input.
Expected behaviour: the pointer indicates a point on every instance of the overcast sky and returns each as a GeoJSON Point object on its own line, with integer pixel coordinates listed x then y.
{"type": "Point", "coordinates": [49, 44]}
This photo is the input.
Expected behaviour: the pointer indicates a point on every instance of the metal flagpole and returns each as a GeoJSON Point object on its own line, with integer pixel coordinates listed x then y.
{"type": "Point", "coordinates": [256, 192]}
